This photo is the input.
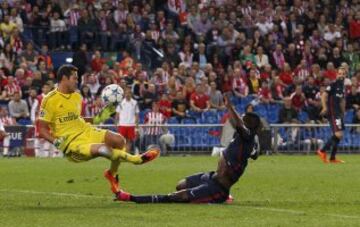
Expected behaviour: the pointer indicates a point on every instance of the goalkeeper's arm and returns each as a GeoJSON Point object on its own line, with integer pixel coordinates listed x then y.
{"type": "Point", "coordinates": [107, 112]}
{"type": "Point", "coordinates": [45, 133]}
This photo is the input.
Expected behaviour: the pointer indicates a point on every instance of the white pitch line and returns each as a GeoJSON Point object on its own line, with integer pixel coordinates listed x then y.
{"type": "Point", "coordinates": [298, 212]}
{"type": "Point", "coordinates": [54, 194]}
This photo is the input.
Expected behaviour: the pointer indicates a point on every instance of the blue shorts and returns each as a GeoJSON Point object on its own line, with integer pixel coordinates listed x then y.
{"type": "Point", "coordinates": [201, 188]}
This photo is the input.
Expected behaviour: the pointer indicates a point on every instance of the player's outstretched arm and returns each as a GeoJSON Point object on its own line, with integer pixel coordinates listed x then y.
{"type": "Point", "coordinates": [108, 111]}
{"type": "Point", "coordinates": [234, 116]}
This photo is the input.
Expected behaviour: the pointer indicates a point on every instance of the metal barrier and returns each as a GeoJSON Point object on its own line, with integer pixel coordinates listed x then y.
{"type": "Point", "coordinates": [307, 138]}
{"type": "Point", "coordinates": [205, 138]}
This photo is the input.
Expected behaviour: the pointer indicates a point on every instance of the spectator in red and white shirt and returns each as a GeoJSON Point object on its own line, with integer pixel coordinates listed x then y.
{"type": "Point", "coordinates": [330, 71]}
{"type": "Point", "coordinates": [302, 72]}
{"type": "Point", "coordinates": [199, 101]}
{"type": "Point", "coordinates": [165, 105]}
{"type": "Point", "coordinates": [97, 62]}
{"type": "Point", "coordinates": [11, 87]}
{"type": "Point", "coordinates": [128, 118]}
{"type": "Point", "coordinates": [278, 89]}
{"type": "Point", "coordinates": [239, 85]}
{"type": "Point", "coordinates": [286, 76]}
{"type": "Point", "coordinates": [298, 98]}
{"type": "Point", "coordinates": [152, 133]}
{"type": "Point", "coordinates": [265, 93]}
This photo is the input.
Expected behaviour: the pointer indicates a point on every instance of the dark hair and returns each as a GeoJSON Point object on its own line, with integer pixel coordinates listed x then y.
{"type": "Point", "coordinates": [65, 70]}
{"type": "Point", "coordinates": [248, 106]}
{"type": "Point", "coordinates": [251, 120]}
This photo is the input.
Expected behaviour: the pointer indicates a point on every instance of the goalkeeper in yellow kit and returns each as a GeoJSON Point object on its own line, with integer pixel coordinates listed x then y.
{"type": "Point", "coordinates": [78, 139]}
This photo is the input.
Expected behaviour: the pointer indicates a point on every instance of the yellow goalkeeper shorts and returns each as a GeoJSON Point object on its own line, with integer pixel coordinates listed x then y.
{"type": "Point", "coordinates": [79, 150]}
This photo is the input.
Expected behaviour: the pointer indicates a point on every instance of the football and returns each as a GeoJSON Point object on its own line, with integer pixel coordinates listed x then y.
{"type": "Point", "coordinates": [167, 139]}
{"type": "Point", "coordinates": [112, 93]}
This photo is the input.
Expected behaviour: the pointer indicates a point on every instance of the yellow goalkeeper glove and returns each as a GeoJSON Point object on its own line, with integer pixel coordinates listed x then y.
{"type": "Point", "coordinates": [105, 114]}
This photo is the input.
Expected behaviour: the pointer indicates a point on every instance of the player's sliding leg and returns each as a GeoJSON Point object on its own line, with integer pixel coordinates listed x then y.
{"type": "Point", "coordinates": [176, 197]}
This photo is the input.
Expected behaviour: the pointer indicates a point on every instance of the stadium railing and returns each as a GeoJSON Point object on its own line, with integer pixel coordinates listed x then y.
{"type": "Point", "coordinates": [206, 138]}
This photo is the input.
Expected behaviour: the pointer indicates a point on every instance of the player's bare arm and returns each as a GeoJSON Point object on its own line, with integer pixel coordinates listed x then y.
{"type": "Point", "coordinates": [44, 131]}
{"type": "Point", "coordinates": [324, 98]}
{"type": "Point", "coordinates": [234, 116]}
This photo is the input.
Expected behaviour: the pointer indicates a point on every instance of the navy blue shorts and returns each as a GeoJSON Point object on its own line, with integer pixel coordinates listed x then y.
{"type": "Point", "coordinates": [336, 123]}
{"type": "Point", "coordinates": [201, 188]}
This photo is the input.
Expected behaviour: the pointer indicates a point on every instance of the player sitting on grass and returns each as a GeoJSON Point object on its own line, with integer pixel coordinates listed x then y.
{"type": "Point", "coordinates": [60, 112]}
{"type": "Point", "coordinates": [213, 187]}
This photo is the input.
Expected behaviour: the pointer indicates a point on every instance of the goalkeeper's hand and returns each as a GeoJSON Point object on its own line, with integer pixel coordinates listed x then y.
{"type": "Point", "coordinates": [105, 113]}
{"type": "Point", "coordinates": [59, 143]}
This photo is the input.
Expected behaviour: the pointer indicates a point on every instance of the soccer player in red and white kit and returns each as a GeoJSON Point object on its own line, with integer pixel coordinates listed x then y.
{"type": "Point", "coordinates": [43, 148]}
{"type": "Point", "coordinates": [128, 118]}
{"type": "Point", "coordinates": [5, 120]}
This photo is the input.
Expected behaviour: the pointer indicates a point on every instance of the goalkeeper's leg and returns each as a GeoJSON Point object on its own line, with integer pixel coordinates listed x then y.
{"type": "Point", "coordinates": [118, 145]}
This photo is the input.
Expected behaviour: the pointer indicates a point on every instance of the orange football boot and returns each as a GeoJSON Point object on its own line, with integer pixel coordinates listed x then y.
{"type": "Point", "coordinates": [113, 180]}
{"type": "Point", "coordinates": [151, 153]}
{"type": "Point", "coordinates": [322, 155]}
{"type": "Point", "coordinates": [336, 161]}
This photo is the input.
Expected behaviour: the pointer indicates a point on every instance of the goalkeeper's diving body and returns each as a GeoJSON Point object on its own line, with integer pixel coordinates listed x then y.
{"type": "Point", "coordinates": [75, 136]}
{"type": "Point", "coordinates": [213, 187]}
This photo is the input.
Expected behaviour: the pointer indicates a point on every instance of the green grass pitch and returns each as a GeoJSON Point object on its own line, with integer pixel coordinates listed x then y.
{"type": "Point", "coordinates": [274, 191]}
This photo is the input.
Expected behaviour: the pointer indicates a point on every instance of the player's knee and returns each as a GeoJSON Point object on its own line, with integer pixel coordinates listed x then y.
{"type": "Point", "coordinates": [180, 196]}
{"type": "Point", "coordinates": [181, 185]}
{"type": "Point", "coordinates": [115, 140]}
{"type": "Point", "coordinates": [339, 135]}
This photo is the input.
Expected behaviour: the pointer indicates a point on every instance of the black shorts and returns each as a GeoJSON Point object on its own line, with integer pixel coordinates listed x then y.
{"type": "Point", "coordinates": [336, 123]}
{"type": "Point", "coordinates": [201, 188]}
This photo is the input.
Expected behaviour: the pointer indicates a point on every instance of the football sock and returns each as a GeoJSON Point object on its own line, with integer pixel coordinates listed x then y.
{"type": "Point", "coordinates": [151, 199]}
{"type": "Point", "coordinates": [333, 141]}
{"type": "Point", "coordinates": [334, 147]}
{"type": "Point", "coordinates": [124, 156]}
{"type": "Point", "coordinates": [114, 167]}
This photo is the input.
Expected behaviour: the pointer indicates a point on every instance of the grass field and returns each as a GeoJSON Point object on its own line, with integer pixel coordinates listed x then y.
{"type": "Point", "coordinates": [274, 191]}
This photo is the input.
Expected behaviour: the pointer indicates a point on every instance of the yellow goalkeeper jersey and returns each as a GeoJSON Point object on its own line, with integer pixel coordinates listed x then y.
{"type": "Point", "coordinates": [63, 113]}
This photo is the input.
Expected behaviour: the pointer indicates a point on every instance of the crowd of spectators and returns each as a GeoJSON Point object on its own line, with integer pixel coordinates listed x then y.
{"type": "Point", "coordinates": [184, 54]}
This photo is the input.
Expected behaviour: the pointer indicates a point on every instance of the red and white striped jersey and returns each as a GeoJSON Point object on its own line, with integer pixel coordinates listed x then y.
{"type": "Point", "coordinates": [74, 17]}
{"type": "Point", "coordinates": [12, 88]}
{"type": "Point", "coordinates": [5, 121]}
{"type": "Point", "coordinates": [154, 118]}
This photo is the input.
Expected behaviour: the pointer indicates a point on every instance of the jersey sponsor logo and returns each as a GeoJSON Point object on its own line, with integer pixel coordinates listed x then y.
{"type": "Point", "coordinates": [339, 95]}
{"type": "Point", "coordinates": [338, 122]}
{"type": "Point", "coordinates": [70, 117]}
{"type": "Point", "coordinates": [42, 113]}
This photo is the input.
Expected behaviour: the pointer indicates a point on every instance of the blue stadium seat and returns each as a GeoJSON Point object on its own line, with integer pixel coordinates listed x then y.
{"type": "Point", "coordinates": [246, 100]}
{"type": "Point", "coordinates": [272, 117]}
{"type": "Point", "coordinates": [172, 120]}
{"type": "Point", "coordinates": [188, 121]}
{"type": "Point", "coordinates": [303, 116]}
{"type": "Point", "coordinates": [349, 116]}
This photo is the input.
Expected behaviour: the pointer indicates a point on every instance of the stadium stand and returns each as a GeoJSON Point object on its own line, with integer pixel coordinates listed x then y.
{"type": "Point", "coordinates": [283, 44]}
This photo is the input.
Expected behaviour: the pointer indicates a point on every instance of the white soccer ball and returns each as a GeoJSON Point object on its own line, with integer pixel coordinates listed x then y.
{"type": "Point", "coordinates": [112, 93]}
{"type": "Point", "coordinates": [168, 139]}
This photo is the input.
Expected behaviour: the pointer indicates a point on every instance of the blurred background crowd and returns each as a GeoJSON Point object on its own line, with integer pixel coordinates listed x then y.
{"type": "Point", "coordinates": [277, 56]}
